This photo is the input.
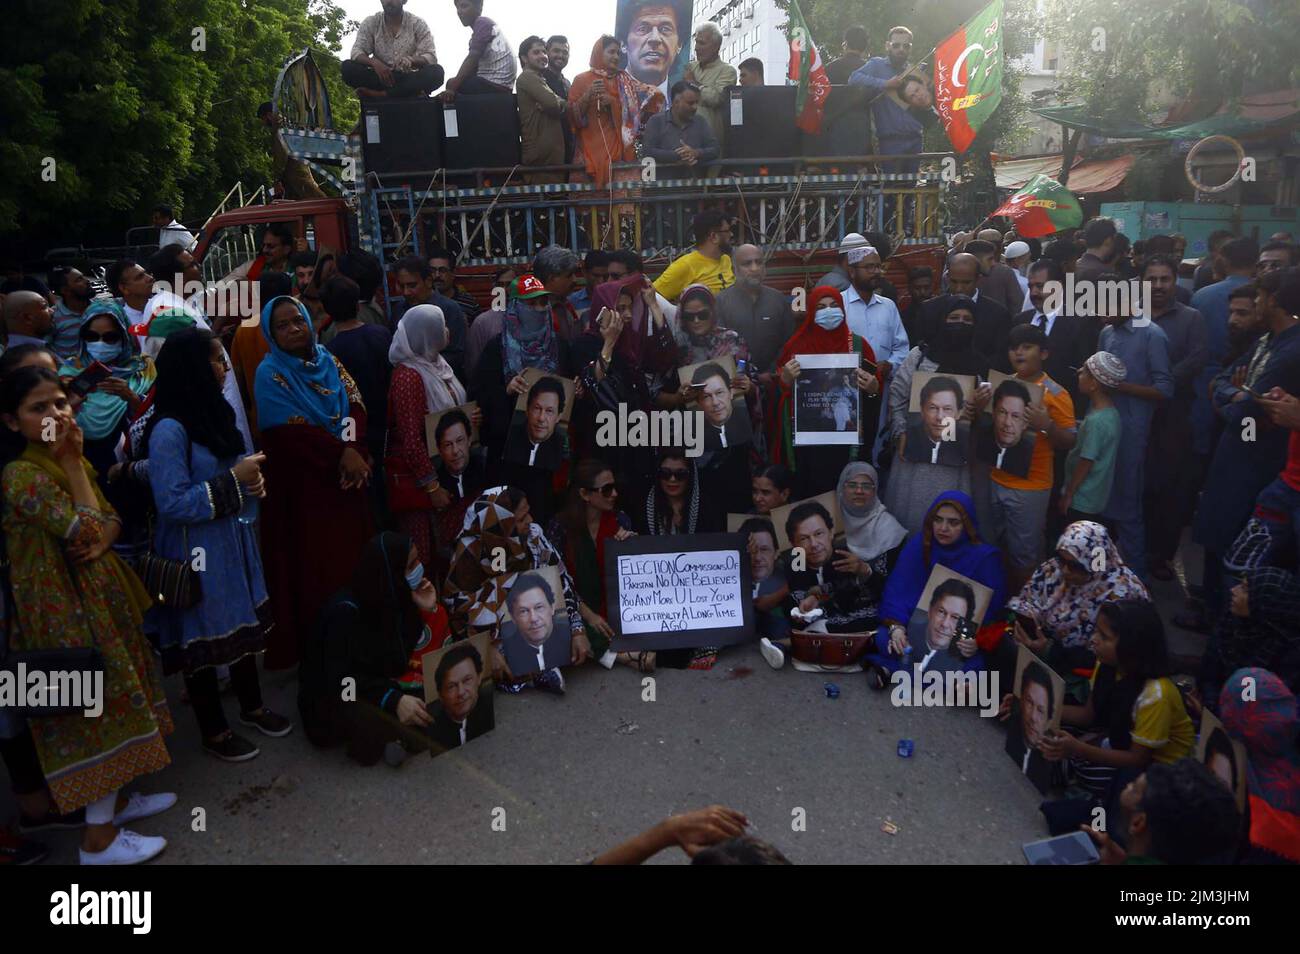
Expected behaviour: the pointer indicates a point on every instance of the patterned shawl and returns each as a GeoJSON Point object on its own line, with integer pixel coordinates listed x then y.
{"type": "Point", "coordinates": [1070, 612]}
{"type": "Point", "coordinates": [102, 412]}
{"type": "Point", "coordinates": [1269, 727]}
{"type": "Point", "coordinates": [718, 342]}
{"type": "Point", "coordinates": [528, 339]}
{"type": "Point", "coordinates": [290, 390]}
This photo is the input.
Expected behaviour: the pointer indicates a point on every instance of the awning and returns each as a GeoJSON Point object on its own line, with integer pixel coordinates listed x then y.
{"type": "Point", "coordinates": [1086, 175]}
{"type": "Point", "coordinates": [1236, 122]}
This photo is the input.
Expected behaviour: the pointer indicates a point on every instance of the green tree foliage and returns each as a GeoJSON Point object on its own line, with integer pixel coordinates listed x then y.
{"type": "Point", "coordinates": [1122, 58]}
{"type": "Point", "coordinates": [143, 102]}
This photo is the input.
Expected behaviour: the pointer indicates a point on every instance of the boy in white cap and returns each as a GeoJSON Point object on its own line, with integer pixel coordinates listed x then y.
{"type": "Point", "coordinates": [1090, 466]}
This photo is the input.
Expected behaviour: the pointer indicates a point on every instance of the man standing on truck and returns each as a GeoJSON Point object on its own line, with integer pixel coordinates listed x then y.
{"type": "Point", "coordinates": [393, 56]}
{"type": "Point", "coordinates": [293, 175]}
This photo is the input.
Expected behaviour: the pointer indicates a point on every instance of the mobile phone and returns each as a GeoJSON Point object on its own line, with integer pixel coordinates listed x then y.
{"type": "Point", "coordinates": [741, 365]}
{"type": "Point", "coordinates": [1076, 848]}
{"type": "Point", "coordinates": [90, 379]}
{"type": "Point", "coordinates": [869, 366]}
{"type": "Point", "coordinates": [1027, 623]}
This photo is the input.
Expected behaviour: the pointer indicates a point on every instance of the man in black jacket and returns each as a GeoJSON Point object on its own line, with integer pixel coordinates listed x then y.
{"type": "Point", "coordinates": [1071, 339]}
{"type": "Point", "coordinates": [530, 641]}
{"type": "Point", "coordinates": [460, 714]}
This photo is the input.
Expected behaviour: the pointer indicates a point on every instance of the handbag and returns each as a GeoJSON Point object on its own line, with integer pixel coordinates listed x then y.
{"type": "Point", "coordinates": [172, 583]}
{"type": "Point", "coordinates": [405, 495]}
{"type": "Point", "coordinates": [830, 649]}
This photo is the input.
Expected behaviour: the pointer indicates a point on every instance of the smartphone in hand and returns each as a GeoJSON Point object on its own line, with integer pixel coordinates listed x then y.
{"type": "Point", "coordinates": [90, 379]}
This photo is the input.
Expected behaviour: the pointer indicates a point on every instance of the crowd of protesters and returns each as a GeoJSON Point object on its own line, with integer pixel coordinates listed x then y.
{"type": "Point", "coordinates": [343, 537]}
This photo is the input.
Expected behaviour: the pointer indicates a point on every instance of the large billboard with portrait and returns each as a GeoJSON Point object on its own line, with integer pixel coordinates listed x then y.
{"type": "Point", "coordinates": [656, 39]}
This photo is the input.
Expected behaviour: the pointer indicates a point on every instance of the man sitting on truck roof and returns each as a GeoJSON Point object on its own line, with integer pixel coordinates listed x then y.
{"type": "Point", "coordinates": [393, 56]}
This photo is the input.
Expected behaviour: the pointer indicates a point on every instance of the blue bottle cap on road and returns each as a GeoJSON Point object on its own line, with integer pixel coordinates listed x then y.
{"type": "Point", "coordinates": [832, 690]}
{"type": "Point", "coordinates": [905, 748]}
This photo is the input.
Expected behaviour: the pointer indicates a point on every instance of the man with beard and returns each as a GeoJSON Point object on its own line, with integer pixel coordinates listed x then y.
{"type": "Point", "coordinates": [760, 314]}
{"type": "Point", "coordinates": [443, 264]}
{"type": "Point", "coordinates": [557, 58]}
{"type": "Point", "coordinates": [392, 56]}
{"type": "Point", "coordinates": [1037, 706]}
{"type": "Point", "coordinates": [708, 264]}
{"type": "Point", "coordinates": [992, 321]}
{"type": "Point", "coordinates": [1275, 256]}
{"type": "Point", "coordinates": [416, 284]}
{"type": "Point", "coordinates": [1144, 349]}
{"type": "Point", "coordinates": [920, 289]}
{"type": "Point", "coordinates": [898, 131]}
{"type": "Point", "coordinates": [997, 282]}
{"type": "Point", "coordinates": [1069, 340]}
{"type": "Point", "coordinates": [528, 644]}
{"type": "Point", "coordinates": [1174, 469]}
{"type": "Point", "coordinates": [651, 33]}
{"type": "Point", "coordinates": [681, 134]}
{"type": "Point", "coordinates": [457, 716]}
{"type": "Point", "coordinates": [875, 318]}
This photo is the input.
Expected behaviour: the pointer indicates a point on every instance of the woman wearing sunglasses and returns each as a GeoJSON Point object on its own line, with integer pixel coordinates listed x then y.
{"type": "Point", "coordinates": [119, 400]}
{"type": "Point", "coordinates": [1058, 606]}
{"type": "Point", "coordinates": [579, 533]}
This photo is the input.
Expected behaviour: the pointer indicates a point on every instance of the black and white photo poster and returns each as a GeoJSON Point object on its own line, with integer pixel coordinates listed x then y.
{"type": "Point", "coordinates": [827, 402]}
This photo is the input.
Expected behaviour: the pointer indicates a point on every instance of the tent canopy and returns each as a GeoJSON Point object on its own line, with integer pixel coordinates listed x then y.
{"type": "Point", "coordinates": [1222, 124]}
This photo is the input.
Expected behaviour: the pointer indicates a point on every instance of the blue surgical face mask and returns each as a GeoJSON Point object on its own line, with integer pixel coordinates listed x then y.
{"type": "Point", "coordinates": [100, 351]}
{"type": "Point", "coordinates": [829, 318]}
{"type": "Point", "coordinates": [416, 576]}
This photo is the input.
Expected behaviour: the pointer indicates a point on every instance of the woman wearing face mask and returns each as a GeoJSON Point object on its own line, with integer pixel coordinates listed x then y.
{"type": "Point", "coordinates": [580, 532]}
{"type": "Point", "coordinates": [1060, 602]}
{"type": "Point", "coordinates": [201, 475]}
{"type": "Point", "coordinates": [913, 485]}
{"type": "Point", "coordinates": [824, 331]}
{"type": "Point", "coordinates": [498, 542]}
{"type": "Point", "coordinates": [70, 590]}
{"type": "Point", "coordinates": [528, 339]}
{"type": "Point", "coordinates": [376, 630]}
{"type": "Point", "coordinates": [110, 408]}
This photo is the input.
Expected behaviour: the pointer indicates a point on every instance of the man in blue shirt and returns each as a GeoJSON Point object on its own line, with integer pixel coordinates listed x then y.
{"type": "Point", "coordinates": [898, 132]}
{"type": "Point", "coordinates": [875, 318]}
{"type": "Point", "coordinates": [1239, 257]}
{"type": "Point", "coordinates": [1144, 349]}
{"type": "Point", "coordinates": [595, 271]}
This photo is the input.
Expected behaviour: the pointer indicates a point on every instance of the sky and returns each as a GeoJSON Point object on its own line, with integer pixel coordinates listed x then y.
{"type": "Point", "coordinates": [582, 21]}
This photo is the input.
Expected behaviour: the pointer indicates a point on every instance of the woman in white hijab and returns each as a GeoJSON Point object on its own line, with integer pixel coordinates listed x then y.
{"type": "Point", "coordinates": [869, 529]}
{"type": "Point", "coordinates": [422, 383]}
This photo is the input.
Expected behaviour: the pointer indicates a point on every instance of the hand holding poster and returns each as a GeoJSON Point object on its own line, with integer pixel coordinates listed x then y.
{"type": "Point", "coordinates": [667, 596]}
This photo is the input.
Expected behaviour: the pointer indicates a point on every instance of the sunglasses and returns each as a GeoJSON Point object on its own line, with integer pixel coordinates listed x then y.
{"type": "Point", "coordinates": [704, 315]}
{"type": "Point", "coordinates": [669, 473]}
{"type": "Point", "coordinates": [108, 337]}
{"type": "Point", "coordinates": [605, 490]}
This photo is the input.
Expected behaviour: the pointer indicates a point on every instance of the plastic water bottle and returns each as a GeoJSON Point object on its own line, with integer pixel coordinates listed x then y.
{"type": "Point", "coordinates": [248, 513]}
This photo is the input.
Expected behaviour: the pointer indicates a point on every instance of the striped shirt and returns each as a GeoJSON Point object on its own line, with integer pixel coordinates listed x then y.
{"type": "Point", "coordinates": [496, 62]}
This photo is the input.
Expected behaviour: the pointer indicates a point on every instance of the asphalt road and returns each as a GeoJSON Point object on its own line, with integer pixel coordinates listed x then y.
{"type": "Point", "coordinates": [579, 773]}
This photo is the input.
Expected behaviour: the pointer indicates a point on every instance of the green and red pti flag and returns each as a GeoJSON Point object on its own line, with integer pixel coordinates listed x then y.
{"type": "Point", "coordinates": [808, 73]}
{"type": "Point", "coordinates": [968, 76]}
{"type": "Point", "coordinates": [1041, 207]}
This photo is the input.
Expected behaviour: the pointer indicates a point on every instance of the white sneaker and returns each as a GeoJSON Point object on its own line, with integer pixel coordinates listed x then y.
{"type": "Point", "coordinates": [771, 652]}
{"type": "Point", "coordinates": [127, 848]}
{"type": "Point", "coordinates": [142, 806]}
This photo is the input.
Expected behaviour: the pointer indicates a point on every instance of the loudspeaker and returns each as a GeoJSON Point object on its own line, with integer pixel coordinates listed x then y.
{"type": "Point", "coordinates": [402, 137]}
{"type": "Point", "coordinates": [846, 124]}
{"type": "Point", "coordinates": [767, 128]}
{"type": "Point", "coordinates": [482, 131]}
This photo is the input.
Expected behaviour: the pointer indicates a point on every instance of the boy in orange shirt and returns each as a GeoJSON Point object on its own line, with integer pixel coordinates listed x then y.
{"type": "Point", "coordinates": [1019, 504]}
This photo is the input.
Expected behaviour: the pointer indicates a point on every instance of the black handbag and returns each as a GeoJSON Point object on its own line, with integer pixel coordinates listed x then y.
{"type": "Point", "coordinates": [172, 583]}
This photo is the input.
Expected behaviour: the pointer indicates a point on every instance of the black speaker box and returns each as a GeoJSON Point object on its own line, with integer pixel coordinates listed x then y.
{"type": "Point", "coordinates": [486, 132]}
{"type": "Point", "coordinates": [767, 128]}
{"type": "Point", "coordinates": [846, 124]}
{"type": "Point", "coordinates": [402, 137]}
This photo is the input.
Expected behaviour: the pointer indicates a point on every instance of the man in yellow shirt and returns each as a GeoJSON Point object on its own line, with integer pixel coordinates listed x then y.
{"type": "Point", "coordinates": [709, 264]}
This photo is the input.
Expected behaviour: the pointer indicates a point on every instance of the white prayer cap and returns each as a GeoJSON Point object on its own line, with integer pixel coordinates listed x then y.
{"type": "Point", "coordinates": [1016, 249]}
{"type": "Point", "coordinates": [856, 255]}
{"type": "Point", "coordinates": [851, 241]}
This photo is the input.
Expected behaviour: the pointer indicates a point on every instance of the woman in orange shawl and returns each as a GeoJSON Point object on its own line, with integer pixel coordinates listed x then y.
{"type": "Point", "coordinates": [609, 107]}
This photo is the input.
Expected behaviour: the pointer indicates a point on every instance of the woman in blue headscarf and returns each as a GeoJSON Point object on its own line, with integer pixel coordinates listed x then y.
{"type": "Point", "coordinates": [315, 519]}
{"type": "Point", "coordinates": [105, 336]}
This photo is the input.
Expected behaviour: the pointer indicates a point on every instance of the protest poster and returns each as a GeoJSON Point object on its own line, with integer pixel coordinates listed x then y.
{"type": "Point", "coordinates": [827, 402]}
{"type": "Point", "coordinates": [663, 595]}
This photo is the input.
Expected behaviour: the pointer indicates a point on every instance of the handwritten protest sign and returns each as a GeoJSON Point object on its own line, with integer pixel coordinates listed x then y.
{"type": "Point", "coordinates": [666, 596]}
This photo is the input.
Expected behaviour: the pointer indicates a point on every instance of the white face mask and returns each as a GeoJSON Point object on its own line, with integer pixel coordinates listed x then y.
{"type": "Point", "coordinates": [829, 318]}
